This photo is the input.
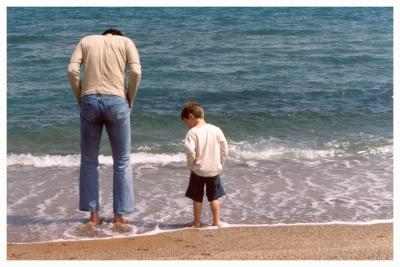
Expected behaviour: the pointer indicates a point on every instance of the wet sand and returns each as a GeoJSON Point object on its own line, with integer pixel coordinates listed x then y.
{"type": "Point", "coordinates": [329, 242]}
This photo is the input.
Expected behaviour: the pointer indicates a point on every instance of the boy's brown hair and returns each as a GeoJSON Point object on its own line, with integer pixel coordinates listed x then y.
{"type": "Point", "coordinates": [193, 108]}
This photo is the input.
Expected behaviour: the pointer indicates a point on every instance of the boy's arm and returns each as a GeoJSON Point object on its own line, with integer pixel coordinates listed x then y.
{"type": "Point", "coordinates": [223, 147]}
{"type": "Point", "coordinates": [190, 149]}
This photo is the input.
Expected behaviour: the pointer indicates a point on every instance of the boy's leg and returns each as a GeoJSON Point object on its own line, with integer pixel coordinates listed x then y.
{"type": "Point", "coordinates": [215, 190]}
{"type": "Point", "coordinates": [214, 205]}
{"type": "Point", "coordinates": [197, 207]}
{"type": "Point", "coordinates": [195, 191]}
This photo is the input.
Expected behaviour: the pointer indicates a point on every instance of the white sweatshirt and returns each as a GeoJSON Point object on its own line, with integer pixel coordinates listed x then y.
{"type": "Point", "coordinates": [206, 150]}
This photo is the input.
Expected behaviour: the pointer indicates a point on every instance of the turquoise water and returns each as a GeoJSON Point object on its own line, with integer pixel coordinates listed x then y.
{"type": "Point", "coordinates": [303, 95]}
{"type": "Point", "coordinates": [304, 75]}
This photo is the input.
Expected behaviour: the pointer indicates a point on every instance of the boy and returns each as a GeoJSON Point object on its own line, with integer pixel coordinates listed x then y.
{"type": "Point", "coordinates": [206, 150]}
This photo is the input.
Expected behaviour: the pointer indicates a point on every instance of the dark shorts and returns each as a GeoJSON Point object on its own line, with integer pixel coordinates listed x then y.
{"type": "Point", "coordinates": [195, 190]}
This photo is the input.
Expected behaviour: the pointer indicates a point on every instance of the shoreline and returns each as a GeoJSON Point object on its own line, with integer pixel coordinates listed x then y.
{"type": "Point", "coordinates": [291, 242]}
{"type": "Point", "coordinates": [206, 227]}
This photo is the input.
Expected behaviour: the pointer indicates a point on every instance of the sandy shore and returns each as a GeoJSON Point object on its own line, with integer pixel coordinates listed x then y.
{"type": "Point", "coordinates": [373, 242]}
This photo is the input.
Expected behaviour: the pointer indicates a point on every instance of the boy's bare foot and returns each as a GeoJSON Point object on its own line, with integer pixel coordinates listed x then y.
{"type": "Point", "coordinates": [218, 224]}
{"type": "Point", "coordinates": [197, 225]}
{"type": "Point", "coordinates": [119, 219]}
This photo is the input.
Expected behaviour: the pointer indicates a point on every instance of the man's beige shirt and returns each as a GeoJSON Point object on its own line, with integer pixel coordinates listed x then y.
{"type": "Point", "coordinates": [104, 59]}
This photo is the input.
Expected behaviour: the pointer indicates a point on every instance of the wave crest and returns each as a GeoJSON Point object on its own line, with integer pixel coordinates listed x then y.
{"type": "Point", "coordinates": [74, 160]}
{"type": "Point", "coordinates": [238, 152]}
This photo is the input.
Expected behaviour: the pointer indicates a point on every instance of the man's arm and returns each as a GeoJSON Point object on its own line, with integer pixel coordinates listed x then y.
{"type": "Point", "coordinates": [74, 71]}
{"type": "Point", "coordinates": [135, 71]}
{"type": "Point", "coordinates": [75, 80]}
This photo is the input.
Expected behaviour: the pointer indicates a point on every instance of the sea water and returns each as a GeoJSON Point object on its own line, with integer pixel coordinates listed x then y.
{"type": "Point", "coordinates": [303, 95]}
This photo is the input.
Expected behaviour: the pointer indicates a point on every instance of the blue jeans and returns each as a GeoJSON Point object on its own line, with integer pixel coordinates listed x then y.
{"type": "Point", "coordinates": [113, 112]}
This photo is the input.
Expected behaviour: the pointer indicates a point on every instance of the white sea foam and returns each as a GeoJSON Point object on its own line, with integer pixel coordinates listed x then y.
{"type": "Point", "coordinates": [249, 153]}
{"type": "Point", "coordinates": [47, 203]}
{"type": "Point", "coordinates": [43, 161]}
{"type": "Point", "coordinates": [284, 194]}
{"type": "Point", "coordinates": [74, 160]}
{"type": "Point", "coordinates": [281, 152]}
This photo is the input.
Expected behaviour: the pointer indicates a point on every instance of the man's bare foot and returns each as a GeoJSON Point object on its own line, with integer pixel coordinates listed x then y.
{"type": "Point", "coordinates": [94, 219]}
{"type": "Point", "coordinates": [119, 219]}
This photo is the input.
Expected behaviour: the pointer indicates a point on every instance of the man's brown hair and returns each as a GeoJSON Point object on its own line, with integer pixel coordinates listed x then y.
{"type": "Point", "coordinates": [193, 108]}
{"type": "Point", "coordinates": [113, 32]}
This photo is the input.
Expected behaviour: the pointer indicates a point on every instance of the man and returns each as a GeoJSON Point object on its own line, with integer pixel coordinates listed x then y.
{"type": "Point", "coordinates": [103, 100]}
